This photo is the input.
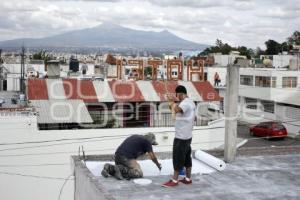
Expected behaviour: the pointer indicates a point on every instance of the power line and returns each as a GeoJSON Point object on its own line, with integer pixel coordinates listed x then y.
{"type": "Point", "coordinates": [63, 185]}
{"type": "Point", "coordinates": [33, 176]}
{"type": "Point", "coordinates": [98, 137]}
{"type": "Point", "coordinates": [94, 150]}
{"type": "Point", "coordinates": [102, 150]}
{"type": "Point", "coordinates": [36, 165]}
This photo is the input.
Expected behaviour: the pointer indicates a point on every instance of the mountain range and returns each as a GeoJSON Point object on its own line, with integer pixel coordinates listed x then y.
{"type": "Point", "coordinates": [110, 36]}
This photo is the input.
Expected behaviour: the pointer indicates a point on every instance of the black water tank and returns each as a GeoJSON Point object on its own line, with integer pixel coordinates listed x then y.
{"type": "Point", "coordinates": [74, 64]}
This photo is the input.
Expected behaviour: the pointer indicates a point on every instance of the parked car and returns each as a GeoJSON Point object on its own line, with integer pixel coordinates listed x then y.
{"type": "Point", "coordinates": [271, 129]}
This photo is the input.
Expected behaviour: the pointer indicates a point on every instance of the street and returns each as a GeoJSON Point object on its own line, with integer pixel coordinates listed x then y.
{"type": "Point", "coordinates": [243, 132]}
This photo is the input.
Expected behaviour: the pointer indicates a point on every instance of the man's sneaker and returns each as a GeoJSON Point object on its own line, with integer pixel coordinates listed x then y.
{"type": "Point", "coordinates": [118, 174]}
{"type": "Point", "coordinates": [170, 183]}
{"type": "Point", "coordinates": [105, 170]}
{"type": "Point", "coordinates": [185, 181]}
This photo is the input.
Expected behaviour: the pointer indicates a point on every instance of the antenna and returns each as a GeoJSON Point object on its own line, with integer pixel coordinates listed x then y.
{"type": "Point", "coordinates": [22, 69]}
{"type": "Point", "coordinates": [1, 72]}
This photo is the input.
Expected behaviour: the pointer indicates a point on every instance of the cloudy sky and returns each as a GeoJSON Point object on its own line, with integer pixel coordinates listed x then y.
{"type": "Point", "coordinates": [237, 22]}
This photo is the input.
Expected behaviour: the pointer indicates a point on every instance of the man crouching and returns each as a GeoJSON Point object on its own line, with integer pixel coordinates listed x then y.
{"type": "Point", "coordinates": [126, 165]}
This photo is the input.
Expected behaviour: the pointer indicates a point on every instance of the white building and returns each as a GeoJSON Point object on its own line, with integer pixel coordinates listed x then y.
{"type": "Point", "coordinates": [224, 60]}
{"type": "Point", "coordinates": [282, 60]}
{"type": "Point", "coordinates": [270, 94]}
{"type": "Point", "coordinates": [265, 94]}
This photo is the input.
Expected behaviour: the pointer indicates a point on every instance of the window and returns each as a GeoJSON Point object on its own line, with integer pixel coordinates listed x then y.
{"type": "Point", "coordinates": [246, 80]}
{"type": "Point", "coordinates": [289, 82]}
{"type": "Point", "coordinates": [262, 81]}
{"type": "Point", "coordinates": [267, 106]}
{"type": "Point", "coordinates": [251, 103]}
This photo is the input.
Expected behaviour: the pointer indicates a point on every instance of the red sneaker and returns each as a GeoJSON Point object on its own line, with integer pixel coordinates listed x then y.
{"type": "Point", "coordinates": [170, 183]}
{"type": "Point", "coordinates": [185, 181]}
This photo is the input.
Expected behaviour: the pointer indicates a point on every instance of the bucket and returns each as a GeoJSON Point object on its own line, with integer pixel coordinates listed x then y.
{"type": "Point", "coordinates": [182, 172]}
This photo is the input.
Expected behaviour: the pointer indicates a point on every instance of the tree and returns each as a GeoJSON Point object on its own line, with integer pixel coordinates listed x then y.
{"type": "Point", "coordinates": [219, 43]}
{"type": "Point", "coordinates": [285, 46]}
{"type": "Point", "coordinates": [42, 55]}
{"type": "Point", "coordinates": [273, 47]}
{"type": "Point", "coordinates": [294, 39]}
{"type": "Point", "coordinates": [244, 51]}
{"type": "Point", "coordinates": [225, 49]}
{"type": "Point", "coordinates": [258, 52]}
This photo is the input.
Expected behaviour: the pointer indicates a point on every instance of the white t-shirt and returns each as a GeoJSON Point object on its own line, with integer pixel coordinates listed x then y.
{"type": "Point", "coordinates": [185, 121]}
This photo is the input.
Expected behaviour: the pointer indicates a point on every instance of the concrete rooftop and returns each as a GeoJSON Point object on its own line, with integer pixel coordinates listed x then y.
{"type": "Point", "coordinates": [249, 177]}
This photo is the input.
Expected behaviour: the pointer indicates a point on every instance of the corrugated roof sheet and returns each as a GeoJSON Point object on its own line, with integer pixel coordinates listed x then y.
{"type": "Point", "coordinates": [37, 89]}
{"type": "Point", "coordinates": [61, 111]}
{"type": "Point", "coordinates": [148, 91]}
{"type": "Point", "coordinates": [116, 91]}
{"type": "Point", "coordinates": [163, 88]}
{"type": "Point", "coordinates": [103, 91]}
{"type": "Point", "coordinates": [80, 89]}
{"type": "Point", "coordinates": [126, 91]}
{"type": "Point", "coordinates": [191, 90]}
{"type": "Point", "coordinates": [206, 90]}
{"type": "Point", "coordinates": [55, 89]}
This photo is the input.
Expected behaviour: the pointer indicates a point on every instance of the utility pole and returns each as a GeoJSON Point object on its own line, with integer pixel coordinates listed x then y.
{"type": "Point", "coordinates": [22, 70]}
{"type": "Point", "coordinates": [231, 107]}
{"type": "Point", "coordinates": [1, 72]}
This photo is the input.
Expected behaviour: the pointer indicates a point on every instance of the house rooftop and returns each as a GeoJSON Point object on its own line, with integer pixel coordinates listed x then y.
{"type": "Point", "coordinates": [257, 173]}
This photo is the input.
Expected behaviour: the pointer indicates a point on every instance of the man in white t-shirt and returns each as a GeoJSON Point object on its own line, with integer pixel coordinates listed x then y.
{"type": "Point", "coordinates": [185, 117]}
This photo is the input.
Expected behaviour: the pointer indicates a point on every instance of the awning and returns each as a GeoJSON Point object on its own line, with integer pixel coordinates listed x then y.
{"type": "Point", "coordinates": [93, 92]}
{"type": "Point", "coordinates": [61, 111]}
{"type": "Point", "coordinates": [80, 89]}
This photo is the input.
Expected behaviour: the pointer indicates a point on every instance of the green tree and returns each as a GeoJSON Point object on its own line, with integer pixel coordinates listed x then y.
{"type": "Point", "coordinates": [258, 52]}
{"type": "Point", "coordinates": [225, 48]}
{"type": "Point", "coordinates": [273, 47]}
{"type": "Point", "coordinates": [244, 51]}
{"type": "Point", "coordinates": [41, 55]}
{"type": "Point", "coordinates": [219, 43]}
{"type": "Point", "coordinates": [294, 39]}
{"type": "Point", "coordinates": [285, 46]}
{"type": "Point", "coordinates": [148, 70]}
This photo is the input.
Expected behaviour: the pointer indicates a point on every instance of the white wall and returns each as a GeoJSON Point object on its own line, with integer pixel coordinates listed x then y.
{"type": "Point", "coordinates": [90, 70]}
{"type": "Point", "coordinates": [13, 82]}
{"type": "Point", "coordinates": [222, 71]}
{"type": "Point", "coordinates": [278, 94]}
{"type": "Point", "coordinates": [59, 153]}
{"type": "Point", "coordinates": [16, 68]}
{"type": "Point", "coordinates": [224, 60]}
{"type": "Point", "coordinates": [280, 61]}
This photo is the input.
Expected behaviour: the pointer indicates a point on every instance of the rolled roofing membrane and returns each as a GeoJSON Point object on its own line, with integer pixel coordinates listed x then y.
{"type": "Point", "coordinates": [203, 163]}
{"type": "Point", "coordinates": [210, 160]}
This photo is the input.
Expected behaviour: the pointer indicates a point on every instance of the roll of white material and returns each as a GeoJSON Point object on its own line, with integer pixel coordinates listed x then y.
{"type": "Point", "coordinates": [210, 160]}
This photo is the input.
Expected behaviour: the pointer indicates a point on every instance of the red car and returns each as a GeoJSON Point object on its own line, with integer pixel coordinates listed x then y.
{"type": "Point", "coordinates": [269, 129]}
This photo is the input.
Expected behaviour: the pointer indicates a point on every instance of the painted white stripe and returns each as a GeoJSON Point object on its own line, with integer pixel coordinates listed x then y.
{"type": "Point", "coordinates": [55, 89]}
{"type": "Point", "coordinates": [61, 111]}
{"type": "Point", "coordinates": [148, 91]}
{"type": "Point", "coordinates": [103, 91]}
{"type": "Point", "coordinates": [191, 90]}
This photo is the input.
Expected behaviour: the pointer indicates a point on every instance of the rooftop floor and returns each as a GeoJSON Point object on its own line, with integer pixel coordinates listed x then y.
{"type": "Point", "coordinates": [249, 177]}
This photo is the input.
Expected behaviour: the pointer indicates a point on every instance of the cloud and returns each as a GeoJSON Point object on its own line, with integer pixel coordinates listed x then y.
{"type": "Point", "coordinates": [238, 22]}
{"type": "Point", "coordinates": [188, 3]}
{"type": "Point", "coordinates": [278, 12]}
